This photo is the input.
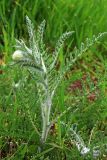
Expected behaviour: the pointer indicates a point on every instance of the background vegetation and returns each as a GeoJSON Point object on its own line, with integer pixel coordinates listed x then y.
{"type": "Point", "coordinates": [86, 82]}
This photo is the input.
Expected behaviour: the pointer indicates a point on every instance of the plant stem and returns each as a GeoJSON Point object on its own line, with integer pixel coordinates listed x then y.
{"type": "Point", "coordinates": [45, 117]}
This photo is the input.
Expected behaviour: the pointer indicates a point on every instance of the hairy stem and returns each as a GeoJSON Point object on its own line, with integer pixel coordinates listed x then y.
{"type": "Point", "coordinates": [46, 107]}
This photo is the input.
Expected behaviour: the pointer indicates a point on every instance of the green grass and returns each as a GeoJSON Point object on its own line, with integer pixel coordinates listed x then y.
{"type": "Point", "coordinates": [86, 18]}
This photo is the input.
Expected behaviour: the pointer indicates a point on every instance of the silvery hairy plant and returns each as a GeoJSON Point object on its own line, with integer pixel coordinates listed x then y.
{"type": "Point", "coordinates": [42, 66]}
{"type": "Point", "coordinates": [77, 140]}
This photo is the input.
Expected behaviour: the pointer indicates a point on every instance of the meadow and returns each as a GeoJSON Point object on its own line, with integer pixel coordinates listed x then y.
{"type": "Point", "coordinates": [79, 106]}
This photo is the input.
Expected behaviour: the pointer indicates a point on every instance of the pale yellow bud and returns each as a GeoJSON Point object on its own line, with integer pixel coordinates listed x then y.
{"type": "Point", "coordinates": [17, 55]}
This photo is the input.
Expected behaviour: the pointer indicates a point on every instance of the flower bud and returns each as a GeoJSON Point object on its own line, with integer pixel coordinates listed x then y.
{"type": "Point", "coordinates": [17, 55]}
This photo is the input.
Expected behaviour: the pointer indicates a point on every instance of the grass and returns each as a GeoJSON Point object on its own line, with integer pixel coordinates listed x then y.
{"type": "Point", "coordinates": [18, 139]}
